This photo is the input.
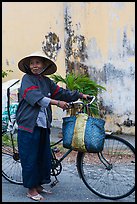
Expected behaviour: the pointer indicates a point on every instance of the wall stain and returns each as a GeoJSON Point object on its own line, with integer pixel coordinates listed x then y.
{"type": "Point", "coordinates": [75, 49]}
{"type": "Point", "coordinates": [104, 109]}
{"type": "Point", "coordinates": [128, 48]}
{"type": "Point", "coordinates": [109, 72]}
{"type": "Point", "coordinates": [51, 45]}
{"type": "Point", "coordinates": [7, 62]}
{"type": "Point", "coordinates": [77, 68]}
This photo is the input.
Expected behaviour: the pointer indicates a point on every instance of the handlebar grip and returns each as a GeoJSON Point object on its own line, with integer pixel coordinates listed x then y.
{"type": "Point", "coordinates": [70, 103]}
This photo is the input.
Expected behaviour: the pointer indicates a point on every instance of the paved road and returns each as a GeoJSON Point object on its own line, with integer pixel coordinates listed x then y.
{"type": "Point", "coordinates": [69, 189]}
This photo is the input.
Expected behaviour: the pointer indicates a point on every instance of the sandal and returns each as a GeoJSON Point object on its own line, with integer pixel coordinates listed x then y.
{"type": "Point", "coordinates": [37, 197]}
{"type": "Point", "coordinates": [43, 190]}
{"type": "Point", "coordinates": [46, 191]}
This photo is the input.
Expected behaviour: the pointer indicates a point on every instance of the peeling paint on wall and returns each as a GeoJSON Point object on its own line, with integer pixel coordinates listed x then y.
{"type": "Point", "coordinates": [75, 48]}
{"type": "Point", "coordinates": [51, 45]}
{"type": "Point", "coordinates": [120, 88]}
{"type": "Point", "coordinates": [115, 70]}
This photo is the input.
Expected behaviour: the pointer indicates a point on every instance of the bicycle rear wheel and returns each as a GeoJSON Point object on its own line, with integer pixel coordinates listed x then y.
{"type": "Point", "coordinates": [109, 174]}
{"type": "Point", "coordinates": [11, 166]}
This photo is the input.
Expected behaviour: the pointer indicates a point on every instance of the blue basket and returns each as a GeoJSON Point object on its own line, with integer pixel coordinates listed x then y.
{"type": "Point", "coordinates": [94, 134]}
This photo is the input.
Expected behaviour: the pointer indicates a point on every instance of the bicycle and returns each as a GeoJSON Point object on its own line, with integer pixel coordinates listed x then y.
{"type": "Point", "coordinates": [109, 174]}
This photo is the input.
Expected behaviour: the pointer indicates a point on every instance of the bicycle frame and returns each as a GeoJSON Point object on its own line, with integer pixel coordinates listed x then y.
{"type": "Point", "coordinates": [58, 161]}
{"type": "Point", "coordinates": [65, 154]}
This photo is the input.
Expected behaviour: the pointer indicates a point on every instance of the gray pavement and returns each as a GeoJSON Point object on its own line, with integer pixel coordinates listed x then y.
{"type": "Point", "coordinates": [70, 187]}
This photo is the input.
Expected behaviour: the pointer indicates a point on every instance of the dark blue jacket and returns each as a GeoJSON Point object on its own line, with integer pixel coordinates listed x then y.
{"type": "Point", "coordinates": [33, 88]}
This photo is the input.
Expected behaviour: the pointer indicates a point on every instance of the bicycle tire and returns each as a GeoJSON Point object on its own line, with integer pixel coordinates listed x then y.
{"type": "Point", "coordinates": [114, 181]}
{"type": "Point", "coordinates": [11, 166]}
{"type": "Point", "coordinates": [11, 169]}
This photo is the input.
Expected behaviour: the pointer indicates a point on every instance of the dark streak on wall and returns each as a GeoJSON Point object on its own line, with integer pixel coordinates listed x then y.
{"type": "Point", "coordinates": [7, 62]}
{"type": "Point", "coordinates": [128, 49]}
{"type": "Point", "coordinates": [104, 110]}
{"type": "Point", "coordinates": [75, 49]}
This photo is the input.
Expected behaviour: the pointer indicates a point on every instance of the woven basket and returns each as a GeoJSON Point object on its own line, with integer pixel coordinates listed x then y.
{"type": "Point", "coordinates": [83, 133]}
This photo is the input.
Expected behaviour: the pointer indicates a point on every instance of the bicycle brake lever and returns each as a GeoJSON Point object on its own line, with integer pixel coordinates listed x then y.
{"type": "Point", "coordinates": [70, 105]}
{"type": "Point", "coordinates": [92, 98]}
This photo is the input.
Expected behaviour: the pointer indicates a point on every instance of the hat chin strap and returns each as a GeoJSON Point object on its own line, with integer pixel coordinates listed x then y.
{"type": "Point", "coordinates": [45, 69]}
{"type": "Point", "coordinates": [27, 69]}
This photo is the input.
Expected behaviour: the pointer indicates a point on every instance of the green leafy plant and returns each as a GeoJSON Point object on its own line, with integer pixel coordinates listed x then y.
{"type": "Point", "coordinates": [83, 84]}
{"type": "Point", "coordinates": [6, 140]}
{"type": "Point", "coordinates": [5, 73]}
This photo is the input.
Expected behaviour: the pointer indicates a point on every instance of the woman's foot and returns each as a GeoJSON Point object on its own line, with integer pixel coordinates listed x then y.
{"type": "Point", "coordinates": [34, 194]}
{"type": "Point", "coordinates": [32, 191]}
{"type": "Point", "coordinates": [40, 189]}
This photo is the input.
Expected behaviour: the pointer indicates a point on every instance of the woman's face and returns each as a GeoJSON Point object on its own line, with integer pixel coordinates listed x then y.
{"type": "Point", "coordinates": [36, 65]}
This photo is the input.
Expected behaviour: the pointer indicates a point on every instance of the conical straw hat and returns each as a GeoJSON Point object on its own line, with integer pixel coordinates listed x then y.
{"type": "Point", "coordinates": [51, 66]}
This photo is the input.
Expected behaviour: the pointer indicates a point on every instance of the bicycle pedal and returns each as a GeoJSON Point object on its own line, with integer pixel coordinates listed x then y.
{"type": "Point", "coordinates": [53, 183]}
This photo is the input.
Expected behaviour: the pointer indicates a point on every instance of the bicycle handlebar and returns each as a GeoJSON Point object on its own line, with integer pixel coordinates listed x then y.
{"type": "Point", "coordinates": [91, 98]}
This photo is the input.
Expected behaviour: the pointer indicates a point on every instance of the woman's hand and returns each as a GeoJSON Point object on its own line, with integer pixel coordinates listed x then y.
{"type": "Point", "coordinates": [62, 104]}
{"type": "Point", "coordinates": [85, 96]}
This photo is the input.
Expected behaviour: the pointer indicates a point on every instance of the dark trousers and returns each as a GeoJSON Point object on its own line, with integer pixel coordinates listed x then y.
{"type": "Point", "coordinates": [35, 156]}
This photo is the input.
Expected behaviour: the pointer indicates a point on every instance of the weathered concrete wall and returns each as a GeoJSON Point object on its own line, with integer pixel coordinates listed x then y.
{"type": "Point", "coordinates": [88, 37]}
{"type": "Point", "coordinates": [100, 40]}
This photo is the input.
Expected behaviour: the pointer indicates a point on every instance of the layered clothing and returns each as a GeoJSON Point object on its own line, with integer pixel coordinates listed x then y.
{"type": "Point", "coordinates": [33, 89]}
{"type": "Point", "coordinates": [34, 117]}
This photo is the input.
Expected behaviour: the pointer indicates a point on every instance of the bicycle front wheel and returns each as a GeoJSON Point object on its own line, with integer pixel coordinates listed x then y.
{"type": "Point", "coordinates": [109, 174]}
